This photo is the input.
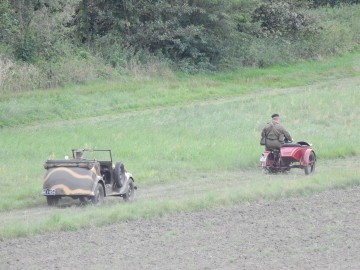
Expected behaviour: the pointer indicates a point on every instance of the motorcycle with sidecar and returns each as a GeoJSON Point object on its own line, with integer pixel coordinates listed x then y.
{"type": "Point", "coordinates": [290, 155]}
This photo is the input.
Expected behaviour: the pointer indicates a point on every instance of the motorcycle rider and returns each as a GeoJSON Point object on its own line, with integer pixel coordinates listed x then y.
{"type": "Point", "coordinates": [274, 135]}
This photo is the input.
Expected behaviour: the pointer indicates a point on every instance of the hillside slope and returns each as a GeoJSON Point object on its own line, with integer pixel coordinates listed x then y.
{"type": "Point", "coordinates": [207, 137]}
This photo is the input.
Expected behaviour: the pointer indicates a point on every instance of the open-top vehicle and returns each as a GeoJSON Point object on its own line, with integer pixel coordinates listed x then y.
{"type": "Point", "coordinates": [291, 155]}
{"type": "Point", "coordinates": [87, 178]}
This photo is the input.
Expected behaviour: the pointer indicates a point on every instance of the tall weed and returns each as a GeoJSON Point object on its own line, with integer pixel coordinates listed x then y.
{"type": "Point", "coordinates": [5, 68]}
{"type": "Point", "coordinates": [20, 76]}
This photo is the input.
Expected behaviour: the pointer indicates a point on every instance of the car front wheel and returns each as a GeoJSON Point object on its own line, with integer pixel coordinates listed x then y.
{"type": "Point", "coordinates": [129, 195]}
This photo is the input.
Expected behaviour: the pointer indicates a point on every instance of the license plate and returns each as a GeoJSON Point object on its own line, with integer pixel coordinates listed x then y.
{"type": "Point", "coordinates": [48, 191]}
{"type": "Point", "coordinates": [262, 159]}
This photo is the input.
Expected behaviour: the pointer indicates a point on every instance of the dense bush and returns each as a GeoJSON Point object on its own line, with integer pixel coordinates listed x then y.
{"type": "Point", "coordinates": [8, 24]}
{"type": "Point", "coordinates": [280, 18]}
{"type": "Point", "coordinates": [195, 32]}
{"type": "Point", "coordinates": [333, 3]}
{"type": "Point", "coordinates": [49, 43]}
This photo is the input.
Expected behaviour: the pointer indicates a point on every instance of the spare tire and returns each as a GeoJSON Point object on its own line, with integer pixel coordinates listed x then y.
{"type": "Point", "coordinates": [119, 174]}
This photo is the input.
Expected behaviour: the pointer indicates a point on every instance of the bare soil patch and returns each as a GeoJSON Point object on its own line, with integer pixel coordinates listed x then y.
{"type": "Point", "coordinates": [316, 232]}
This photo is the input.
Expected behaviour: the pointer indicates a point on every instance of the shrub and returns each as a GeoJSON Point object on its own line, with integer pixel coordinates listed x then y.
{"type": "Point", "coordinates": [6, 66]}
{"type": "Point", "coordinates": [9, 28]}
{"type": "Point", "coordinates": [332, 3]}
{"type": "Point", "coordinates": [19, 76]}
{"type": "Point", "coordinates": [281, 18]}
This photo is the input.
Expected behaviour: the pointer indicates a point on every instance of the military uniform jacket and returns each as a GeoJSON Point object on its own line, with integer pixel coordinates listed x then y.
{"type": "Point", "coordinates": [275, 135]}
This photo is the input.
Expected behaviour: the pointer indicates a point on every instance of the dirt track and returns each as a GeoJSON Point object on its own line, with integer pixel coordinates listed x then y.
{"type": "Point", "coordinates": [316, 232]}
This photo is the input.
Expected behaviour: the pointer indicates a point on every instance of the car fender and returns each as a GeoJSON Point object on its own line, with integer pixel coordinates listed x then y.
{"type": "Point", "coordinates": [101, 181]}
{"type": "Point", "coordinates": [128, 177]}
{"type": "Point", "coordinates": [306, 156]}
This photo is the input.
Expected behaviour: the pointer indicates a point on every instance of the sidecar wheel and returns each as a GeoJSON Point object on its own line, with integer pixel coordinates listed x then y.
{"type": "Point", "coordinates": [310, 169]}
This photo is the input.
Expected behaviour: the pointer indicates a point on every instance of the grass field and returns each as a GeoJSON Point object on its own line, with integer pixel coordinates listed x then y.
{"type": "Point", "coordinates": [138, 94]}
{"type": "Point", "coordinates": [167, 129]}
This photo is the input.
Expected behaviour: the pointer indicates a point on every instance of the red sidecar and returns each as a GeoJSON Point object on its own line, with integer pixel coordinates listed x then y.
{"type": "Point", "coordinates": [291, 155]}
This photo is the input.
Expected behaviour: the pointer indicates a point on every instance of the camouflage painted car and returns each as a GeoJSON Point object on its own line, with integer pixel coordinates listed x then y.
{"type": "Point", "coordinates": [87, 178]}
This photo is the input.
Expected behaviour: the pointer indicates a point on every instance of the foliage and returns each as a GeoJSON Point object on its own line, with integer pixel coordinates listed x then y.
{"type": "Point", "coordinates": [190, 31]}
{"type": "Point", "coordinates": [333, 3]}
{"type": "Point", "coordinates": [282, 18]}
{"type": "Point", "coordinates": [41, 27]}
{"type": "Point", "coordinates": [336, 33]}
{"type": "Point", "coordinates": [43, 39]}
{"type": "Point", "coordinates": [8, 24]}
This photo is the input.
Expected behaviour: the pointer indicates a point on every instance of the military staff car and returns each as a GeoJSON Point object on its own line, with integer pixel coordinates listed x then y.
{"type": "Point", "coordinates": [90, 175]}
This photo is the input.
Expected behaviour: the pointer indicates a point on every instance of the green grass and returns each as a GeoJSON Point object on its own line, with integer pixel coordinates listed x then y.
{"type": "Point", "coordinates": [210, 125]}
{"type": "Point", "coordinates": [163, 145]}
{"type": "Point", "coordinates": [132, 94]}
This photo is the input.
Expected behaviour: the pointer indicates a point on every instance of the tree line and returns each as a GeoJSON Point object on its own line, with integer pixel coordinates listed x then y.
{"type": "Point", "coordinates": [189, 34]}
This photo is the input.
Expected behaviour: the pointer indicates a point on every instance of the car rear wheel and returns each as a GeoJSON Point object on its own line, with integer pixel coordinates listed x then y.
{"type": "Point", "coordinates": [310, 169]}
{"type": "Point", "coordinates": [98, 198]}
{"type": "Point", "coordinates": [130, 193]}
{"type": "Point", "coordinates": [52, 200]}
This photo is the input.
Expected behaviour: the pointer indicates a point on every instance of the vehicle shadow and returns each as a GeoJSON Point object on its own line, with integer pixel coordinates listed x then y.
{"type": "Point", "coordinates": [67, 202]}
